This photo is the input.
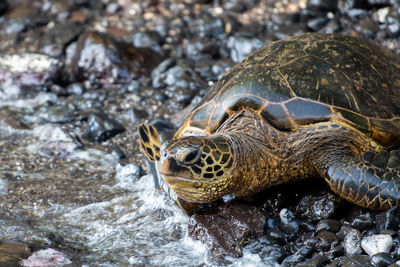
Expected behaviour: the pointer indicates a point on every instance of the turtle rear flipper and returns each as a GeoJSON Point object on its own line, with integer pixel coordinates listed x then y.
{"type": "Point", "coordinates": [371, 180]}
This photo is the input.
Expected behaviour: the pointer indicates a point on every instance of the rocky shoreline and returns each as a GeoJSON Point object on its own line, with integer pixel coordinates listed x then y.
{"type": "Point", "coordinates": [76, 78]}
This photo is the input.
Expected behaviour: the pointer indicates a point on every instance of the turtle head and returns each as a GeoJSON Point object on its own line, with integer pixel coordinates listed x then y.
{"type": "Point", "coordinates": [197, 168]}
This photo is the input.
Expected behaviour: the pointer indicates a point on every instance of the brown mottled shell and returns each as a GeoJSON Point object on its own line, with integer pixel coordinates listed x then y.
{"type": "Point", "coordinates": [308, 79]}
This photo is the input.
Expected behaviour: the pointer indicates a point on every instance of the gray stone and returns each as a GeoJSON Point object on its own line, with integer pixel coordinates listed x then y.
{"type": "Point", "coordinates": [286, 216]}
{"type": "Point", "coordinates": [382, 259]}
{"type": "Point", "coordinates": [374, 244]}
{"type": "Point", "coordinates": [351, 242]}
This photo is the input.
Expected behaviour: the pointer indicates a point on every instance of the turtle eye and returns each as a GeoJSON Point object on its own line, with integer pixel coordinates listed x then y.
{"type": "Point", "coordinates": [193, 156]}
{"type": "Point", "coordinates": [189, 156]}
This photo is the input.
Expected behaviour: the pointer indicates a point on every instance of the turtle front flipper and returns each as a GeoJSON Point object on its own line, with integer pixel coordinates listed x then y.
{"type": "Point", "coordinates": [151, 137]}
{"type": "Point", "coordinates": [149, 141]}
{"type": "Point", "coordinates": [371, 180]}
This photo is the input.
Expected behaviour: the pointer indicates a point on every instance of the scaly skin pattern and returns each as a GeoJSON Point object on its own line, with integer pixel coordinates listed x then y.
{"type": "Point", "coordinates": [309, 105]}
{"type": "Point", "coordinates": [342, 155]}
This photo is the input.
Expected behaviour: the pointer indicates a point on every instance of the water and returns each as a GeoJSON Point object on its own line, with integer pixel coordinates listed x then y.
{"type": "Point", "coordinates": [139, 227]}
{"type": "Point", "coordinates": [103, 213]}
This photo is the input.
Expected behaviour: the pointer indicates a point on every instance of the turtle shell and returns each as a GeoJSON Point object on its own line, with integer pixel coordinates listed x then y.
{"type": "Point", "coordinates": [308, 79]}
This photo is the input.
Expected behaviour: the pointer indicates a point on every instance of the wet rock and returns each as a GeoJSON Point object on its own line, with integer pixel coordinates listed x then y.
{"type": "Point", "coordinates": [317, 23]}
{"type": "Point", "coordinates": [361, 219]}
{"type": "Point", "coordinates": [396, 248]}
{"type": "Point", "coordinates": [112, 8]}
{"type": "Point", "coordinates": [58, 8]}
{"type": "Point", "coordinates": [208, 26]}
{"type": "Point", "coordinates": [158, 75]}
{"type": "Point", "coordinates": [323, 5]}
{"type": "Point", "coordinates": [389, 219]}
{"type": "Point", "coordinates": [374, 244]}
{"type": "Point", "coordinates": [297, 257]}
{"type": "Point", "coordinates": [3, 6]}
{"type": "Point", "coordinates": [101, 58]}
{"type": "Point", "coordinates": [57, 114]}
{"type": "Point", "coordinates": [291, 228]}
{"type": "Point", "coordinates": [204, 68]}
{"type": "Point", "coordinates": [313, 242]}
{"type": "Point", "coordinates": [354, 4]}
{"type": "Point", "coordinates": [381, 14]}
{"type": "Point", "coordinates": [352, 261]}
{"type": "Point", "coordinates": [54, 142]}
{"type": "Point", "coordinates": [225, 230]}
{"type": "Point", "coordinates": [271, 223]}
{"type": "Point", "coordinates": [331, 27]}
{"type": "Point", "coordinates": [11, 253]}
{"type": "Point", "coordinates": [317, 207]}
{"type": "Point", "coordinates": [201, 48]}
{"type": "Point", "coordinates": [277, 235]}
{"type": "Point", "coordinates": [183, 76]}
{"type": "Point", "coordinates": [286, 216]}
{"type": "Point", "coordinates": [292, 29]}
{"type": "Point", "coordinates": [3, 187]}
{"type": "Point", "coordinates": [393, 26]}
{"type": "Point", "coordinates": [54, 41]}
{"type": "Point", "coordinates": [382, 259]}
{"type": "Point", "coordinates": [186, 31]}
{"type": "Point", "coordinates": [307, 226]}
{"type": "Point", "coordinates": [352, 242]}
{"type": "Point", "coordinates": [38, 100]}
{"type": "Point", "coordinates": [336, 250]}
{"type": "Point", "coordinates": [266, 249]}
{"type": "Point", "coordinates": [356, 13]}
{"type": "Point", "coordinates": [221, 67]}
{"type": "Point", "coordinates": [237, 6]}
{"type": "Point", "coordinates": [182, 95]}
{"type": "Point", "coordinates": [328, 225]}
{"type": "Point", "coordinates": [181, 81]}
{"type": "Point", "coordinates": [241, 46]}
{"type": "Point", "coordinates": [344, 230]}
{"type": "Point", "coordinates": [26, 10]}
{"type": "Point", "coordinates": [94, 98]}
{"type": "Point", "coordinates": [288, 223]}
{"type": "Point", "coordinates": [325, 239]}
{"type": "Point", "coordinates": [46, 257]}
{"type": "Point", "coordinates": [133, 86]}
{"type": "Point", "coordinates": [50, 40]}
{"type": "Point", "coordinates": [75, 89]}
{"type": "Point", "coordinates": [28, 69]}
{"type": "Point", "coordinates": [378, 3]}
{"type": "Point", "coordinates": [368, 26]}
{"type": "Point", "coordinates": [150, 39]}
{"type": "Point", "coordinates": [101, 127]}
{"type": "Point", "coordinates": [318, 260]}
{"type": "Point", "coordinates": [137, 115]}
{"type": "Point", "coordinates": [14, 26]}
{"type": "Point", "coordinates": [127, 175]}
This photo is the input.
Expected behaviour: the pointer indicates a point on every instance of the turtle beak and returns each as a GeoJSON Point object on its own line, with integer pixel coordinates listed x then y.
{"type": "Point", "coordinates": [172, 172]}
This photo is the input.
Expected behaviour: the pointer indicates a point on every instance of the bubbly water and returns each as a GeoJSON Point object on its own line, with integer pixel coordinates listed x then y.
{"type": "Point", "coordinates": [129, 223]}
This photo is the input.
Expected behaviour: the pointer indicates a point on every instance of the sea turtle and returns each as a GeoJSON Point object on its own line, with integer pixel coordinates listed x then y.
{"type": "Point", "coordinates": [310, 105]}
